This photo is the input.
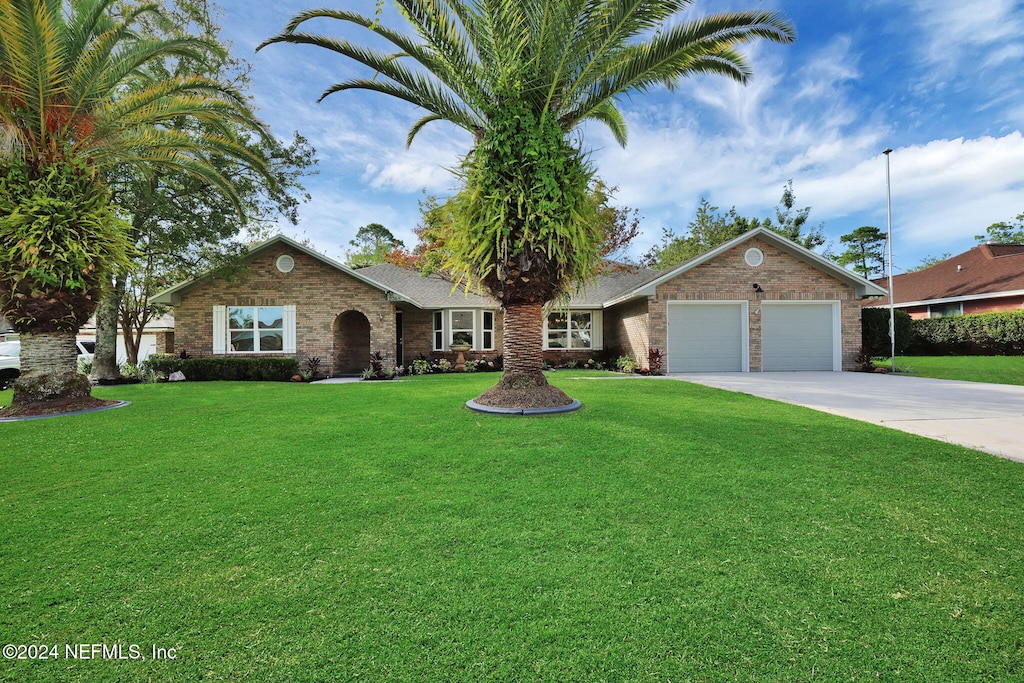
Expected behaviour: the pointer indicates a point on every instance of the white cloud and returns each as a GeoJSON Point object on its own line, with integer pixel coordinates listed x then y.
{"type": "Point", "coordinates": [772, 130]}
{"type": "Point", "coordinates": [974, 47]}
{"type": "Point", "coordinates": [955, 27]}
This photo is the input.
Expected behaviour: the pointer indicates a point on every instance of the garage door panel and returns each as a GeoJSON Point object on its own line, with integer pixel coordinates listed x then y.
{"type": "Point", "coordinates": [797, 337]}
{"type": "Point", "coordinates": [706, 337]}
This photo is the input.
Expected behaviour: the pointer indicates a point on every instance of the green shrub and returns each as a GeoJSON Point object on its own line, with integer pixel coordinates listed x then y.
{"type": "Point", "coordinates": [627, 364]}
{"type": "Point", "coordinates": [875, 332]}
{"type": "Point", "coordinates": [235, 369]}
{"type": "Point", "coordinates": [995, 333]}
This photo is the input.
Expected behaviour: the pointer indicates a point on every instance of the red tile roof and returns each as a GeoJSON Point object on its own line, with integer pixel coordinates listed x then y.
{"type": "Point", "coordinates": [985, 269]}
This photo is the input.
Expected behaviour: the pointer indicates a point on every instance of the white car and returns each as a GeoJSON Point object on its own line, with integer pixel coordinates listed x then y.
{"type": "Point", "coordinates": [10, 359]}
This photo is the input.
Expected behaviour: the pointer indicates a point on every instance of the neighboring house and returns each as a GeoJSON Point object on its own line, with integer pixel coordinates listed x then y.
{"type": "Point", "coordinates": [758, 302]}
{"type": "Point", "coordinates": [157, 337]}
{"type": "Point", "coordinates": [985, 279]}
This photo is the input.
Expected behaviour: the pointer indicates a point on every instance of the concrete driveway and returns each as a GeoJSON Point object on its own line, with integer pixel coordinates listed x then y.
{"type": "Point", "coordinates": [987, 417]}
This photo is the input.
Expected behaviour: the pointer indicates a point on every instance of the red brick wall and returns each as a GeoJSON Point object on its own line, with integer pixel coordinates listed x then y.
{"type": "Point", "coordinates": [781, 276]}
{"type": "Point", "coordinates": [627, 330]}
{"type": "Point", "coordinates": [917, 312]}
{"type": "Point", "coordinates": [165, 341]}
{"type": "Point", "coordinates": [418, 335]}
{"type": "Point", "coordinates": [1010, 303]}
{"type": "Point", "coordinates": [319, 292]}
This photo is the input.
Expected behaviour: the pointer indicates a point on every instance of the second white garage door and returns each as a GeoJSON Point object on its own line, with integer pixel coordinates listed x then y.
{"type": "Point", "coordinates": [799, 336]}
{"type": "Point", "coordinates": [707, 337]}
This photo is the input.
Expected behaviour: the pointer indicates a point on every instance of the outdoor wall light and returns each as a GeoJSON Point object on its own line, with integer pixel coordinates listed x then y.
{"type": "Point", "coordinates": [757, 288]}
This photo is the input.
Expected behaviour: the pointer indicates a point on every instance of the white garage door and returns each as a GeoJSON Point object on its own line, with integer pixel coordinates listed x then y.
{"type": "Point", "coordinates": [798, 336]}
{"type": "Point", "coordinates": [707, 337]}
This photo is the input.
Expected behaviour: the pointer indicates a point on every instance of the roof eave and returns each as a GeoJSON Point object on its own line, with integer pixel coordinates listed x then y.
{"type": "Point", "coordinates": [955, 299]}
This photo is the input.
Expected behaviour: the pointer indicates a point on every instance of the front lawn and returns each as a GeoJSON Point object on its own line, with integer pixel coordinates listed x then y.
{"type": "Point", "coordinates": [994, 369]}
{"type": "Point", "coordinates": [382, 532]}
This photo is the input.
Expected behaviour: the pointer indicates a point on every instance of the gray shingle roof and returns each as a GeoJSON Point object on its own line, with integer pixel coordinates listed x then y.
{"type": "Point", "coordinates": [611, 285]}
{"type": "Point", "coordinates": [431, 291]}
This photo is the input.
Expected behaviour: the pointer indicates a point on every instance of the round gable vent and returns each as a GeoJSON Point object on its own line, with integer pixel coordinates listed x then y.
{"type": "Point", "coordinates": [285, 263]}
{"type": "Point", "coordinates": [754, 257]}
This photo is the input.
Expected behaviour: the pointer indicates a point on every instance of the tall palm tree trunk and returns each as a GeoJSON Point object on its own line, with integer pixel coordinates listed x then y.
{"type": "Point", "coordinates": [522, 383]}
{"type": "Point", "coordinates": [49, 369]}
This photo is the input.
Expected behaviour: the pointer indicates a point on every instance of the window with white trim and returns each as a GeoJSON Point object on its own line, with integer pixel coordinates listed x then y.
{"type": "Point", "coordinates": [572, 330]}
{"type": "Point", "coordinates": [253, 329]}
{"type": "Point", "coordinates": [488, 331]}
{"type": "Point", "coordinates": [462, 327]}
{"type": "Point", "coordinates": [467, 326]}
{"type": "Point", "coordinates": [438, 330]}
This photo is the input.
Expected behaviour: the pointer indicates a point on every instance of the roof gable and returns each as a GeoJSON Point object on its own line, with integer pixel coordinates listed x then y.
{"type": "Point", "coordinates": [173, 294]}
{"type": "Point", "coordinates": [862, 286]}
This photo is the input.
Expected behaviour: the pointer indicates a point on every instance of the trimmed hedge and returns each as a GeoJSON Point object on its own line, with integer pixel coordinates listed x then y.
{"type": "Point", "coordinates": [233, 369]}
{"type": "Point", "coordinates": [992, 333]}
{"type": "Point", "coordinates": [875, 332]}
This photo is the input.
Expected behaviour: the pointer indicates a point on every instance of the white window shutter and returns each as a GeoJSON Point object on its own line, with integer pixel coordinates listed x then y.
{"type": "Point", "coordinates": [597, 330]}
{"type": "Point", "coordinates": [478, 330]}
{"type": "Point", "coordinates": [289, 329]}
{"type": "Point", "coordinates": [220, 329]}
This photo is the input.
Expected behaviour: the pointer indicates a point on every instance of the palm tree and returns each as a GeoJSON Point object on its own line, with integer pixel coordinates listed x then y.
{"type": "Point", "coordinates": [75, 100]}
{"type": "Point", "coordinates": [521, 75]}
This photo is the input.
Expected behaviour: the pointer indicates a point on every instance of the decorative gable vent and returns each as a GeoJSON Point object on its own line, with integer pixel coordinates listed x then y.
{"type": "Point", "coordinates": [285, 263]}
{"type": "Point", "coordinates": [754, 257]}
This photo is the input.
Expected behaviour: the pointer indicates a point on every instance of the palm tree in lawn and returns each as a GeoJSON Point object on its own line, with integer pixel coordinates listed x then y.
{"type": "Point", "coordinates": [75, 100]}
{"type": "Point", "coordinates": [521, 75]}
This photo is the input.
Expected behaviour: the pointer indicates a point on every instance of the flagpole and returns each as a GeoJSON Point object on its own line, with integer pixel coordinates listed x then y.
{"type": "Point", "coordinates": [888, 242]}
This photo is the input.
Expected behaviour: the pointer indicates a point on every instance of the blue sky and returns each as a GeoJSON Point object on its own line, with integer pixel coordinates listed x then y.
{"type": "Point", "coordinates": [941, 82]}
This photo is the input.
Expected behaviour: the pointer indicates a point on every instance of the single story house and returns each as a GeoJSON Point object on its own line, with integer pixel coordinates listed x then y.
{"type": "Point", "coordinates": [756, 303]}
{"type": "Point", "coordinates": [985, 279]}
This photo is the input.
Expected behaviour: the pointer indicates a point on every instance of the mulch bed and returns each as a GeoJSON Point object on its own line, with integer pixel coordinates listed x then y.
{"type": "Point", "coordinates": [535, 397]}
{"type": "Point", "coordinates": [56, 407]}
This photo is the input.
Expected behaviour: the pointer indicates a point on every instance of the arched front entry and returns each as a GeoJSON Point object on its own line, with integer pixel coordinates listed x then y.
{"type": "Point", "coordinates": [351, 343]}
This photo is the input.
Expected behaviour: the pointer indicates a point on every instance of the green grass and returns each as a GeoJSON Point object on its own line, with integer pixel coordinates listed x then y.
{"type": "Point", "coordinates": [382, 532]}
{"type": "Point", "coordinates": [994, 369]}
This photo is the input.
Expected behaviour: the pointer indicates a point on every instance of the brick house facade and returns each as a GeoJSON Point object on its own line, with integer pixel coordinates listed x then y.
{"type": "Point", "coordinates": [289, 300]}
{"type": "Point", "coordinates": [781, 276]}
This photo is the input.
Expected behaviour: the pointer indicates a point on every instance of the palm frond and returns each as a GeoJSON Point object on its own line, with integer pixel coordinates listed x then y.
{"type": "Point", "coordinates": [446, 108]}
{"type": "Point", "coordinates": [418, 126]}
